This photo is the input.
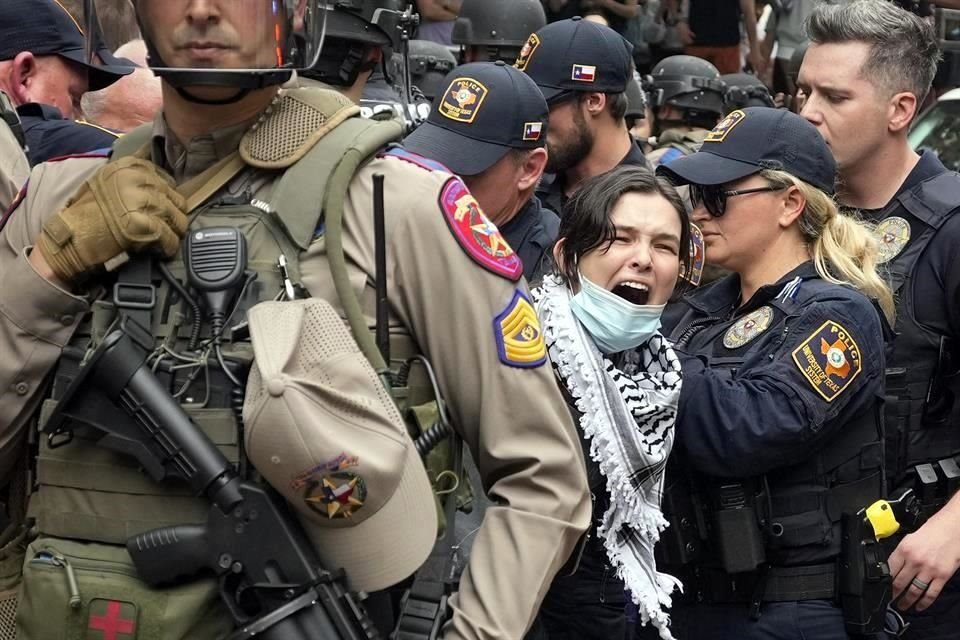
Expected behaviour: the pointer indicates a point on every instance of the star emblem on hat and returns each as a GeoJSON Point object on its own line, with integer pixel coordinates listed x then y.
{"type": "Point", "coordinates": [337, 495]}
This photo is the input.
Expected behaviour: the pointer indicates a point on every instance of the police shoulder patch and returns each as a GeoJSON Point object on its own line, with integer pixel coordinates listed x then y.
{"type": "Point", "coordinates": [518, 334]}
{"type": "Point", "coordinates": [529, 48]}
{"type": "Point", "coordinates": [829, 359]}
{"type": "Point", "coordinates": [893, 234]}
{"type": "Point", "coordinates": [479, 237]}
{"type": "Point", "coordinates": [698, 256]}
{"type": "Point", "coordinates": [748, 327]}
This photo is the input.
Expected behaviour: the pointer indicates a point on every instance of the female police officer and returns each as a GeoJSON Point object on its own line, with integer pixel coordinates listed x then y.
{"type": "Point", "coordinates": [783, 371]}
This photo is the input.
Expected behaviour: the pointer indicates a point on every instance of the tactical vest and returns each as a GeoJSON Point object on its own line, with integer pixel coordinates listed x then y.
{"type": "Point", "coordinates": [922, 415]}
{"type": "Point", "coordinates": [308, 146]}
{"type": "Point", "coordinates": [675, 143]}
{"type": "Point", "coordinates": [798, 509]}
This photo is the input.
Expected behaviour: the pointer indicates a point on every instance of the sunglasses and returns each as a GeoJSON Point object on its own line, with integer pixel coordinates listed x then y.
{"type": "Point", "coordinates": [714, 198]}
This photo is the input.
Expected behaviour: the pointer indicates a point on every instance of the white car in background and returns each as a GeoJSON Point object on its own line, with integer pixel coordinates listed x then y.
{"type": "Point", "coordinates": [938, 129]}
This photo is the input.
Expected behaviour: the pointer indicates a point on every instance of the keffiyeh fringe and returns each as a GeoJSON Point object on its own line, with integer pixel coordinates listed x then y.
{"type": "Point", "coordinates": [628, 420]}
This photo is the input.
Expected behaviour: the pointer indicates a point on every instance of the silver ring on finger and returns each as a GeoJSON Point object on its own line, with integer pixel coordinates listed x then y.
{"type": "Point", "coordinates": [920, 584]}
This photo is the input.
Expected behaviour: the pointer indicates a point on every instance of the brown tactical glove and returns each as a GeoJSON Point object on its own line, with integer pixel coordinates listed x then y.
{"type": "Point", "coordinates": [129, 205]}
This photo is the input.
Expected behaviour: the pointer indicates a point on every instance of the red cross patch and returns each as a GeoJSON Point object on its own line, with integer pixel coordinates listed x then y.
{"type": "Point", "coordinates": [111, 620]}
{"type": "Point", "coordinates": [479, 237]}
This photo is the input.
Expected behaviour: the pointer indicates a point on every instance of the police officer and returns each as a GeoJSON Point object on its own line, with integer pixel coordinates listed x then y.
{"type": "Point", "coordinates": [430, 62]}
{"type": "Point", "coordinates": [44, 72]}
{"type": "Point", "coordinates": [687, 97]}
{"type": "Point", "coordinates": [744, 90]}
{"type": "Point", "coordinates": [369, 75]}
{"type": "Point", "coordinates": [490, 30]}
{"type": "Point", "coordinates": [782, 381]}
{"type": "Point", "coordinates": [231, 149]}
{"type": "Point", "coordinates": [498, 147]}
{"type": "Point", "coordinates": [913, 201]}
{"type": "Point", "coordinates": [14, 167]}
{"type": "Point", "coordinates": [583, 69]}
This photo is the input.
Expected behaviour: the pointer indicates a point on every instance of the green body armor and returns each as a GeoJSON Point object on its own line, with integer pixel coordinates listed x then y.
{"type": "Point", "coordinates": [309, 146]}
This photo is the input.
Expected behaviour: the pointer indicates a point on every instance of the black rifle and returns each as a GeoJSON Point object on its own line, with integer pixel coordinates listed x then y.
{"type": "Point", "coordinates": [270, 577]}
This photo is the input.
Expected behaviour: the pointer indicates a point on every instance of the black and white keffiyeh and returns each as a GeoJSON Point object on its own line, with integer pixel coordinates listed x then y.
{"type": "Point", "coordinates": [628, 419]}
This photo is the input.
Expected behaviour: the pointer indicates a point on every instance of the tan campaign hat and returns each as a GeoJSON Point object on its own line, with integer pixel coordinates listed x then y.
{"type": "Point", "coordinates": [323, 431]}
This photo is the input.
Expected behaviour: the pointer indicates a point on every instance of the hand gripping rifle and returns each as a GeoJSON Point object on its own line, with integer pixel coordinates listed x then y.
{"type": "Point", "coordinates": [270, 577]}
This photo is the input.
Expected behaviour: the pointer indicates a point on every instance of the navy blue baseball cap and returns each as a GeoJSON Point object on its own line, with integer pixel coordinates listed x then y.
{"type": "Point", "coordinates": [750, 140]}
{"type": "Point", "coordinates": [577, 55]}
{"type": "Point", "coordinates": [487, 109]}
{"type": "Point", "coordinates": [45, 27]}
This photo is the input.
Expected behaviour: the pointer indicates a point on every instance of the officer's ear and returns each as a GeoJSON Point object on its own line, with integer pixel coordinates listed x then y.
{"type": "Point", "coordinates": [531, 168]}
{"type": "Point", "coordinates": [902, 108]}
{"type": "Point", "coordinates": [23, 73]}
{"type": "Point", "coordinates": [595, 103]}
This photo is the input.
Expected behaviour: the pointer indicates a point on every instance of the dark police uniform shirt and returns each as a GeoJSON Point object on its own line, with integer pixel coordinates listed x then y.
{"type": "Point", "coordinates": [768, 384]}
{"type": "Point", "coordinates": [551, 187]}
{"type": "Point", "coordinates": [785, 387]}
{"type": "Point", "coordinates": [531, 234]}
{"type": "Point", "coordinates": [50, 135]}
{"type": "Point", "coordinates": [936, 284]}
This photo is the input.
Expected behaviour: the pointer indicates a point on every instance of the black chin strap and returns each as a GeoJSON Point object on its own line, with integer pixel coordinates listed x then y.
{"type": "Point", "coordinates": [237, 97]}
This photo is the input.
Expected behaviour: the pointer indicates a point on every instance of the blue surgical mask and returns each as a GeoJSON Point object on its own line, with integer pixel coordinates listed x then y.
{"type": "Point", "coordinates": [614, 323]}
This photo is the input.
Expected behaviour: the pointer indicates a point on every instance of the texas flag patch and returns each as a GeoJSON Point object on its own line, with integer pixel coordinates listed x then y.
{"type": "Point", "coordinates": [532, 131]}
{"type": "Point", "coordinates": [584, 73]}
{"type": "Point", "coordinates": [479, 237]}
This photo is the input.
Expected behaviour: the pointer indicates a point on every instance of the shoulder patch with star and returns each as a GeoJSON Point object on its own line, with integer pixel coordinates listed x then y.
{"type": "Point", "coordinates": [478, 237]}
{"type": "Point", "coordinates": [829, 359]}
{"type": "Point", "coordinates": [518, 334]}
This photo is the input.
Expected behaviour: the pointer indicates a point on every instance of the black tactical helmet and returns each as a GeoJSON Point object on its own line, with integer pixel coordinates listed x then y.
{"type": "Point", "coordinates": [502, 26]}
{"type": "Point", "coordinates": [745, 90]}
{"type": "Point", "coordinates": [636, 99]}
{"type": "Point", "coordinates": [375, 22]}
{"type": "Point", "coordinates": [430, 62]}
{"type": "Point", "coordinates": [688, 83]}
{"type": "Point", "coordinates": [352, 27]}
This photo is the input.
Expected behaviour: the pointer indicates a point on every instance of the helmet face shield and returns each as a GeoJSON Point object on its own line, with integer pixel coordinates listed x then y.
{"type": "Point", "coordinates": [226, 37]}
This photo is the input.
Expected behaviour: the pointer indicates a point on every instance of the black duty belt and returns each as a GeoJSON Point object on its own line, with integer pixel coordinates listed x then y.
{"type": "Point", "coordinates": [779, 584]}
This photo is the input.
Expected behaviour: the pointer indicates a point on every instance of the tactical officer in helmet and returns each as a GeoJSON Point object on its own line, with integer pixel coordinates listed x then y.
{"type": "Point", "coordinates": [744, 90]}
{"type": "Point", "coordinates": [430, 62]}
{"type": "Point", "coordinates": [93, 259]}
{"type": "Point", "coordinates": [687, 97]}
{"type": "Point", "coordinates": [369, 75]}
{"type": "Point", "coordinates": [491, 30]}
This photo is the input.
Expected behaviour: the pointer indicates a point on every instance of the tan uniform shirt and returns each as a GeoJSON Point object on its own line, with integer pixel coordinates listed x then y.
{"type": "Point", "coordinates": [14, 167]}
{"type": "Point", "coordinates": [514, 420]}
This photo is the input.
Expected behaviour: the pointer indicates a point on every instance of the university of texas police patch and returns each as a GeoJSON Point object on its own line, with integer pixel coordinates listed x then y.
{"type": "Point", "coordinates": [893, 234]}
{"type": "Point", "coordinates": [529, 48]}
{"type": "Point", "coordinates": [725, 126]}
{"type": "Point", "coordinates": [479, 237]}
{"type": "Point", "coordinates": [463, 100]}
{"type": "Point", "coordinates": [829, 359]}
{"type": "Point", "coordinates": [519, 337]}
{"type": "Point", "coordinates": [698, 256]}
{"type": "Point", "coordinates": [748, 327]}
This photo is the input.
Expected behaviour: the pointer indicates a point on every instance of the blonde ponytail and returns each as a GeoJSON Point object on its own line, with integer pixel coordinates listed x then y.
{"type": "Point", "coordinates": [843, 248]}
